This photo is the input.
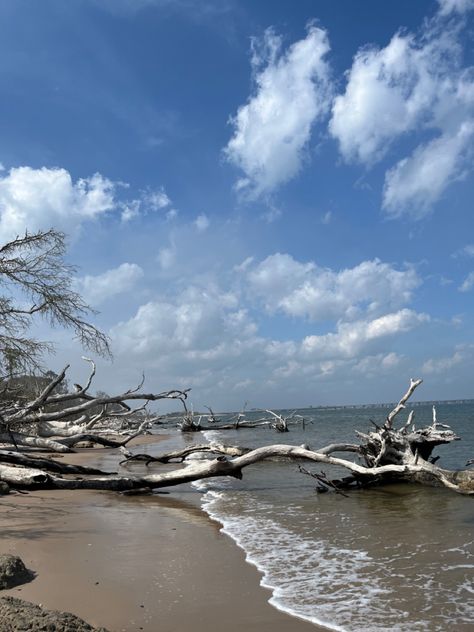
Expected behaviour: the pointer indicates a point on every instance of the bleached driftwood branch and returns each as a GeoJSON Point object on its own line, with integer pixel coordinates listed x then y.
{"type": "Point", "coordinates": [58, 421]}
{"type": "Point", "coordinates": [388, 454]}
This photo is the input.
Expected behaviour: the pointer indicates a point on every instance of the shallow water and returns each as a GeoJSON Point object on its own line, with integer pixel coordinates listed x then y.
{"type": "Point", "coordinates": [394, 558]}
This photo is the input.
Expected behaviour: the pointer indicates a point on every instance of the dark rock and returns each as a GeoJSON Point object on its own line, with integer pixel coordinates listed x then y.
{"type": "Point", "coordinates": [17, 615]}
{"type": "Point", "coordinates": [13, 572]}
{"type": "Point", "coordinates": [4, 488]}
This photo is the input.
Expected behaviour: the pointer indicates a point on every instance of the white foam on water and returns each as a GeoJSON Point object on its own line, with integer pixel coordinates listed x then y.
{"type": "Point", "coordinates": [311, 580]}
{"type": "Point", "coordinates": [342, 588]}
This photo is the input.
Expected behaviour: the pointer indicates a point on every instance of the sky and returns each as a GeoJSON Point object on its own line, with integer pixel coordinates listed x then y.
{"type": "Point", "coordinates": [268, 201]}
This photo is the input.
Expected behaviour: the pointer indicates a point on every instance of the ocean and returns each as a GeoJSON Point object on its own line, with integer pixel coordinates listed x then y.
{"type": "Point", "coordinates": [399, 557]}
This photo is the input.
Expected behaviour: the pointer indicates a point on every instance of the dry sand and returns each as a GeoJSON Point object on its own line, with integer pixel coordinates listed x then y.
{"type": "Point", "coordinates": [152, 563]}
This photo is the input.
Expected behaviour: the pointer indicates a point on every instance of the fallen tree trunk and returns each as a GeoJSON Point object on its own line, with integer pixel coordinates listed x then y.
{"type": "Point", "coordinates": [17, 458]}
{"type": "Point", "coordinates": [19, 439]}
{"type": "Point", "coordinates": [388, 454]}
{"type": "Point", "coordinates": [423, 472]}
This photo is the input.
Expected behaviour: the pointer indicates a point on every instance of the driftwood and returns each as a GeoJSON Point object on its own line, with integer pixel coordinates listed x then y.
{"type": "Point", "coordinates": [387, 454]}
{"type": "Point", "coordinates": [421, 472]}
{"type": "Point", "coordinates": [57, 421]}
{"type": "Point", "coordinates": [178, 456]}
{"type": "Point", "coordinates": [191, 422]}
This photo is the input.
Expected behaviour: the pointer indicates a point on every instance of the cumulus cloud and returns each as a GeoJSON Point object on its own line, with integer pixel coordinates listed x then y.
{"type": "Point", "coordinates": [462, 354]}
{"type": "Point", "coordinates": [307, 290]}
{"type": "Point", "coordinates": [156, 200]}
{"type": "Point", "coordinates": [414, 184]}
{"type": "Point", "coordinates": [417, 82]}
{"type": "Point", "coordinates": [391, 91]}
{"type": "Point", "coordinates": [206, 339]}
{"type": "Point", "coordinates": [292, 91]}
{"type": "Point", "coordinates": [150, 200]}
{"type": "Point", "coordinates": [371, 365]}
{"type": "Point", "coordinates": [351, 339]}
{"type": "Point", "coordinates": [130, 210]}
{"type": "Point", "coordinates": [196, 324]}
{"type": "Point", "coordinates": [36, 199]}
{"type": "Point", "coordinates": [97, 289]}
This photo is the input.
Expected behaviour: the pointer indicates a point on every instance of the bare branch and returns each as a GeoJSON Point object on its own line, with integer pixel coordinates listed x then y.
{"type": "Point", "coordinates": [401, 404]}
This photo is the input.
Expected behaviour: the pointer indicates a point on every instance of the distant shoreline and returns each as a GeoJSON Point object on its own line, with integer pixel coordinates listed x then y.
{"type": "Point", "coordinates": [388, 405]}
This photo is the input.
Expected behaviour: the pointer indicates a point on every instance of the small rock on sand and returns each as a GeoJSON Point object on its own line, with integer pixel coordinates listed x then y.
{"type": "Point", "coordinates": [13, 572]}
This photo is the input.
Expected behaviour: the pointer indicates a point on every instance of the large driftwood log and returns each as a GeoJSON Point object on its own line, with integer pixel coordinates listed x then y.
{"type": "Point", "coordinates": [388, 454]}
{"type": "Point", "coordinates": [422, 472]}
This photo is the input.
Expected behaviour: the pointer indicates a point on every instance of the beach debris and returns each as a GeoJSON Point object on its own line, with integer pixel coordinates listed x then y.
{"type": "Point", "coordinates": [324, 484]}
{"type": "Point", "coordinates": [385, 453]}
{"type": "Point", "coordinates": [273, 420]}
{"type": "Point", "coordinates": [58, 419]}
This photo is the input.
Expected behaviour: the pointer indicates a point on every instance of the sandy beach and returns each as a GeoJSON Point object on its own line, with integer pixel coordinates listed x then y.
{"type": "Point", "coordinates": [135, 563]}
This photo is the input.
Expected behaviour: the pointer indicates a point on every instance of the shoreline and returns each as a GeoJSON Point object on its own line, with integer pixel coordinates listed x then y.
{"type": "Point", "coordinates": [136, 563]}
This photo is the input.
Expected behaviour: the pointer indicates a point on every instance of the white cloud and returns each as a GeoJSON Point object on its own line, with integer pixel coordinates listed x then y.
{"type": "Point", "coordinates": [156, 200]}
{"type": "Point", "coordinates": [149, 201]}
{"type": "Point", "coordinates": [306, 290]}
{"type": "Point", "coordinates": [207, 340]}
{"type": "Point", "coordinates": [468, 283]}
{"type": "Point", "coordinates": [389, 91]}
{"type": "Point", "coordinates": [130, 210]}
{"type": "Point", "coordinates": [351, 339]}
{"type": "Point", "coordinates": [371, 365]}
{"type": "Point", "coordinates": [272, 130]}
{"type": "Point", "coordinates": [194, 325]}
{"type": "Point", "coordinates": [36, 199]}
{"type": "Point", "coordinates": [416, 83]}
{"type": "Point", "coordinates": [459, 6]}
{"type": "Point", "coordinates": [97, 289]}
{"type": "Point", "coordinates": [205, 336]}
{"type": "Point", "coordinates": [417, 182]}
{"type": "Point", "coordinates": [462, 353]}
{"type": "Point", "coordinates": [202, 223]}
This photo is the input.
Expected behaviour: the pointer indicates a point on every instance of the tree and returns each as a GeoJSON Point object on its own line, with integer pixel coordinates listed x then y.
{"type": "Point", "coordinates": [36, 281]}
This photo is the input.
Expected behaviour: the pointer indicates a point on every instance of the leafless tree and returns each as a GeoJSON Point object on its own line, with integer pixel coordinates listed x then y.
{"type": "Point", "coordinates": [36, 281]}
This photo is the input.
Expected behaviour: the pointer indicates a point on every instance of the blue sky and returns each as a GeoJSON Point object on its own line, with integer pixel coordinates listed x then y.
{"type": "Point", "coordinates": [268, 201]}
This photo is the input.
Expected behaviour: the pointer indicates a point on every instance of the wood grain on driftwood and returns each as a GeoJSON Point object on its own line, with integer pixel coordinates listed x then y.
{"type": "Point", "coordinates": [384, 454]}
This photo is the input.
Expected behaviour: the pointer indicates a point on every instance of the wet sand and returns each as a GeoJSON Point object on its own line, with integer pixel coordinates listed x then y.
{"type": "Point", "coordinates": [151, 563]}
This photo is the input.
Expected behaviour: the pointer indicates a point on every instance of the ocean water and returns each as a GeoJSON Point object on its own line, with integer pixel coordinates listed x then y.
{"type": "Point", "coordinates": [394, 558]}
